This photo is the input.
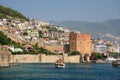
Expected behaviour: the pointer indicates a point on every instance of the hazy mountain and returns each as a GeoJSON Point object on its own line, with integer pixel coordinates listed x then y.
{"type": "Point", "coordinates": [97, 29]}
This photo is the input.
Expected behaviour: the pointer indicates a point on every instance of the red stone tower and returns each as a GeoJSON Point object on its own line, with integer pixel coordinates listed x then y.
{"type": "Point", "coordinates": [80, 42]}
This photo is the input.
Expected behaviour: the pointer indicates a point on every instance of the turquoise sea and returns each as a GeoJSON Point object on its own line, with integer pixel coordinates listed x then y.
{"type": "Point", "coordinates": [47, 71]}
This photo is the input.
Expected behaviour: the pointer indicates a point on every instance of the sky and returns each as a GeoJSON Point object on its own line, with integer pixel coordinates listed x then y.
{"type": "Point", "coordinates": [64, 10]}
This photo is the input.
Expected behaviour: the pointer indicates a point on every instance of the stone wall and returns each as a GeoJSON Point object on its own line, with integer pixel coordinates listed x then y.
{"type": "Point", "coordinates": [29, 58]}
{"type": "Point", "coordinates": [4, 58]}
{"type": "Point", "coordinates": [48, 58]}
{"type": "Point", "coordinates": [72, 59]}
{"type": "Point", "coordinates": [25, 58]}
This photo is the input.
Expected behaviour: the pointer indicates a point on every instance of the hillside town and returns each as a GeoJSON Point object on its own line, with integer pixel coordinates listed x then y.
{"type": "Point", "coordinates": [35, 31]}
{"type": "Point", "coordinates": [53, 38]}
{"type": "Point", "coordinates": [60, 40]}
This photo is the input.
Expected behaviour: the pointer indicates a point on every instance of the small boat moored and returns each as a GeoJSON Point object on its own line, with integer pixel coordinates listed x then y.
{"type": "Point", "coordinates": [110, 60]}
{"type": "Point", "coordinates": [116, 63]}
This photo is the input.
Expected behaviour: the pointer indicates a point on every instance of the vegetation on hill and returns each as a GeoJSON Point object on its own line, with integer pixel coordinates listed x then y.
{"type": "Point", "coordinates": [6, 12]}
{"type": "Point", "coordinates": [36, 51]}
{"type": "Point", "coordinates": [4, 40]}
{"type": "Point", "coordinates": [45, 51]}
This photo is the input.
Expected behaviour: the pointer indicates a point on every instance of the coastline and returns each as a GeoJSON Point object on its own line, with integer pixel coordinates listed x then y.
{"type": "Point", "coordinates": [41, 58]}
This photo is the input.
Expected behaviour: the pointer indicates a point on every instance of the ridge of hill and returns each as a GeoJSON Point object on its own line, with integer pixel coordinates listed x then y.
{"type": "Point", "coordinates": [97, 29]}
{"type": "Point", "coordinates": [6, 12]}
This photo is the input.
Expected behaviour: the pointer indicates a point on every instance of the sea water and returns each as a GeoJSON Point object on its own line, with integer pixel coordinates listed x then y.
{"type": "Point", "coordinates": [72, 71]}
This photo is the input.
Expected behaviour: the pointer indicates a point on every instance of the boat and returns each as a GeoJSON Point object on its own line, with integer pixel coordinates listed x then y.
{"type": "Point", "coordinates": [60, 63]}
{"type": "Point", "coordinates": [110, 60]}
{"type": "Point", "coordinates": [116, 63]}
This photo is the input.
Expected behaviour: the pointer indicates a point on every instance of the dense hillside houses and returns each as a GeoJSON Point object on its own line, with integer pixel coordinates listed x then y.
{"type": "Point", "coordinates": [34, 31]}
{"type": "Point", "coordinates": [44, 33]}
{"type": "Point", "coordinates": [103, 46]}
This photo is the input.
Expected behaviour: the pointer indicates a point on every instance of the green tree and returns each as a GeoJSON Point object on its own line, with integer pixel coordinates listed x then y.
{"type": "Point", "coordinates": [40, 34]}
{"type": "Point", "coordinates": [25, 33]}
{"type": "Point", "coordinates": [95, 56]}
{"type": "Point", "coordinates": [74, 53]}
{"type": "Point", "coordinates": [4, 39]}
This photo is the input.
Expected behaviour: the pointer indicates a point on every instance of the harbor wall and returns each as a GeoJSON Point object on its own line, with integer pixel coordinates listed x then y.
{"type": "Point", "coordinates": [72, 59]}
{"type": "Point", "coordinates": [30, 58]}
{"type": "Point", "coordinates": [4, 58]}
{"type": "Point", "coordinates": [25, 58]}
